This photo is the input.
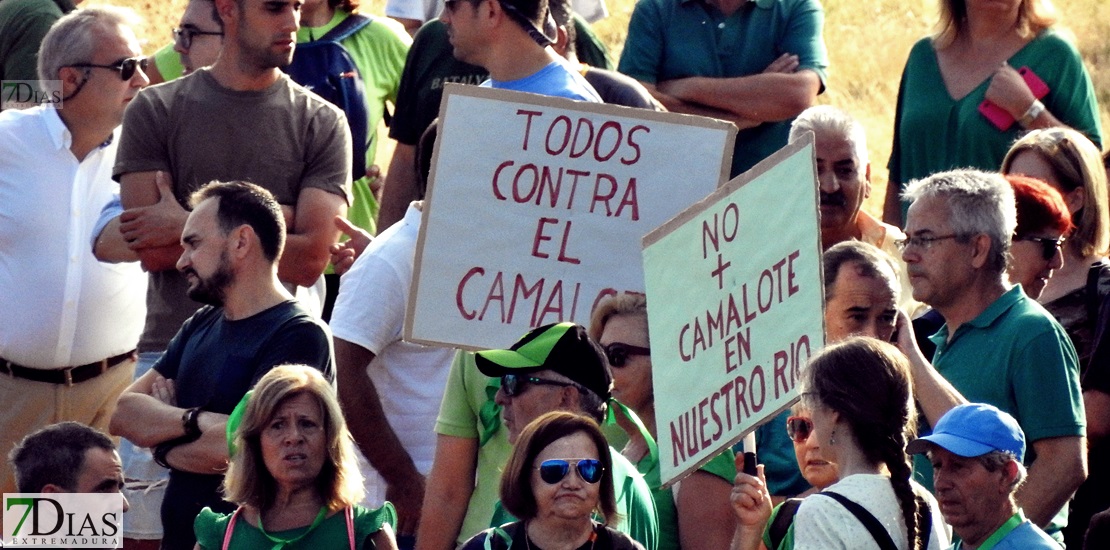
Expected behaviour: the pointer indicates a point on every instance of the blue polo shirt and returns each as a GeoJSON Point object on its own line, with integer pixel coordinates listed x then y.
{"type": "Point", "coordinates": [1015, 356]}
{"type": "Point", "coordinates": [669, 39]}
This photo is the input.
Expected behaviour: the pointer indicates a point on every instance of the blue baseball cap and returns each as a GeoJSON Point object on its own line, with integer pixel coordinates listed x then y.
{"type": "Point", "coordinates": [974, 429]}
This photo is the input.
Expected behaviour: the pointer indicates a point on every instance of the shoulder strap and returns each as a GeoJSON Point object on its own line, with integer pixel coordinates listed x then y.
{"type": "Point", "coordinates": [350, 514]}
{"type": "Point", "coordinates": [352, 24]}
{"type": "Point", "coordinates": [777, 531]}
{"type": "Point", "coordinates": [230, 527]}
{"type": "Point", "coordinates": [881, 536]}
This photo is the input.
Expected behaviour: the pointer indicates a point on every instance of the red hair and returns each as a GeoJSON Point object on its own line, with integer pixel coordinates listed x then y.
{"type": "Point", "coordinates": [1039, 206]}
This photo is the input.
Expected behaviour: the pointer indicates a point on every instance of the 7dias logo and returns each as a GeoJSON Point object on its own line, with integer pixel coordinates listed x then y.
{"type": "Point", "coordinates": [20, 94]}
{"type": "Point", "coordinates": [63, 520]}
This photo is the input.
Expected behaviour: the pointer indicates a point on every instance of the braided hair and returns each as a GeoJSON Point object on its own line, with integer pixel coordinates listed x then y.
{"type": "Point", "coordinates": [867, 382]}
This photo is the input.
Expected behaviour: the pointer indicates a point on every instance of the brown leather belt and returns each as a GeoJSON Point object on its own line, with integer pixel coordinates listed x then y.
{"type": "Point", "coordinates": [68, 375]}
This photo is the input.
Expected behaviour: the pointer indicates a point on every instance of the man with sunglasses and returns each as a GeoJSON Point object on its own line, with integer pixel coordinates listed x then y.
{"type": "Point", "coordinates": [558, 367]}
{"type": "Point", "coordinates": [997, 345]}
{"type": "Point", "coordinates": [70, 323]}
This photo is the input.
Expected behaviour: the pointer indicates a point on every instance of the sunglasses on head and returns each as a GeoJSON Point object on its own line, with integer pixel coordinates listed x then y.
{"type": "Point", "coordinates": [1049, 246]}
{"type": "Point", "coordinates": [798, 428]}
{"type": "Point", "coordinates": [515, 384]}
{"type": "Point", "coordinates": [553, 471]}
{"type": "Point", "coordinates": [618, 352]}
{"type": "Point", "coordinates": [126, 67]}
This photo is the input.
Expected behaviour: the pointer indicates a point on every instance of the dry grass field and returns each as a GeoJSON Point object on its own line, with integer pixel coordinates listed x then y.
{"type": "Point", "coordinates": [868, 43]}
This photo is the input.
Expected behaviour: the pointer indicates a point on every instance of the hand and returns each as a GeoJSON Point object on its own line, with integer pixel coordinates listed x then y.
{"type": "Point", "coordinates": [1008, 90]}
{"type": "Point", "coordinates": [289, 214]}
{"type": "Point", "coordinates": [905, 338]}
{"type": "Point", "coordinates": [374, 180]}
{"type": "Point", "coordinates": [786, 63]}
{"type": "Point", "coordinates": [750, 499]}
{"type": "Point", "coordinates": [344, 254]}
{"type": "Point", "coordinates": [159, 224]}
{"type": "Point", "coordinates": [163, 390]}
{"type": "Point", "coordinates": [407, 497]}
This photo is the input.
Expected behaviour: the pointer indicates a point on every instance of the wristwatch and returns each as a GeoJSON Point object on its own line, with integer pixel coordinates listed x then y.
{"type": "Point", "coordinates": [189, 422]}
{"type": "Point", "coordinates": [1031, 113]}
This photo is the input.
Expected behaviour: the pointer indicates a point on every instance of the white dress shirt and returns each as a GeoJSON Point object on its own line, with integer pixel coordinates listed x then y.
{"type": "Point", "coordinates": [59, 306]}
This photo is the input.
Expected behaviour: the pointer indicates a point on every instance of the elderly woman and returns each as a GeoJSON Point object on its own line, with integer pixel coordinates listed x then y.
{"type": "Point", "coordinates": [1043, 221]}
{"type": "Point", "coordinates": [694, 513]}
{"type": "Point", "coordinates": [962, 100]}
{"type": "Point", "coordinates": [559, 476]}
{"type": "Point", "coordinates": [858, 394]}
{"type": "Point", "coordinates": [294, 474]}
{"type": "Point", "coordinates": [1071, 163]}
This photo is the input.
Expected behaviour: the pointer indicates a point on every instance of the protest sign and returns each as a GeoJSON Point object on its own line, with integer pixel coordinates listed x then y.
{"type": "Point", "coordinates": [537, 206]}
{"type": "Point", "coordinates": [735, 302]}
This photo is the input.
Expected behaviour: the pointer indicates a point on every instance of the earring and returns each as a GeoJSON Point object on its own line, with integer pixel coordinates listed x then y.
{"type": "Point", "coordinates": [832, 438]}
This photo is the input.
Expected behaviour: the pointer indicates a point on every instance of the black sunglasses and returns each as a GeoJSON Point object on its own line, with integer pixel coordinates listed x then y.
{"type": "Point", "coordinates": [514, 384]}
{"type": "Point", "coordinates": [183, 35]}
{"type": "Point", "coordinates": [1049, 245]}
{"type": "Point", "coordinates": [126, 67]}
{"type": "Point", "coordinates": [618, 352]}
{"type": "Point", "coordinates": [798, 428]}
{"type": "Point", "coordinates": [553, 471]}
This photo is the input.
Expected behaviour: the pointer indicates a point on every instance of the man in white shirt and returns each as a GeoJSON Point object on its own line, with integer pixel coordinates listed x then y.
{"type": "Point", "coordinates": [70, 323]}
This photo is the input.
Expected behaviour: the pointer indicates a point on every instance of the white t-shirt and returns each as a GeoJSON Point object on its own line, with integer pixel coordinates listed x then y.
{"type": "Point", "coordinates": [410, 378]}
{"type": "Point", "coordinates": [823, 523]}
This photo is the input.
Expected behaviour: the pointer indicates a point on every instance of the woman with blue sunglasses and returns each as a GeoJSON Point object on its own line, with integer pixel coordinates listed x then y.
{"type": "Point", "coordinates": [559, 482]}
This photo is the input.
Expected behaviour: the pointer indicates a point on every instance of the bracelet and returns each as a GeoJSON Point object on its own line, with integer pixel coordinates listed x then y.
{"type": "Point", "coordinates": [1031, 113]}
{"type": "Point", "coordinates": [189, 421]}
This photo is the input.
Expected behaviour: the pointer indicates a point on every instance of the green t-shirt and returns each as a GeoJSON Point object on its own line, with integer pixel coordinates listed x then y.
{"type": "Point", "coordinates": [1014, 356]}
{"type": "Point", "coordinates": [722, 465]}
{"type": "Point", "coordinates": [210, 528]}
{"type": "Point", "coordinates": [23, 24]}
{"type": "Point", "coordinates": [670, 39]}
{"type": "Point", "coordinates": [934, 132]}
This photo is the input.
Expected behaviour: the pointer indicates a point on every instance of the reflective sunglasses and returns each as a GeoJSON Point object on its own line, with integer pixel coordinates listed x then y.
{"type": "Point", "coordinates": [618, 353]}
{"type": "Point", "coordinates": [126, 67]}
{"type": "Point", "coordinates": [798, 428]}
{"type": "Point", "coordinates": [183, 35]}
{"type": "Point", "coordinates": [553, 471]}
{"type": "Point", "coordinates": [1049, 245]}
{"type": "Point", "coordinates": [515, 384]}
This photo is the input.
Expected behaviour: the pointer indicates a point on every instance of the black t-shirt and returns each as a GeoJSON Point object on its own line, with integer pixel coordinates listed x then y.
{"type": "Point", "coordinates": [213, 362]}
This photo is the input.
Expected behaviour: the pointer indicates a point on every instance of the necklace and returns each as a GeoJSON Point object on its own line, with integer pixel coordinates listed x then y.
{"type": "Point", "coordinates": [528, 540]}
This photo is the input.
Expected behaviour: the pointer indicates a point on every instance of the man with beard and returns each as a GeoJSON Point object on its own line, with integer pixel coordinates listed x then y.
{"type": "Point", "coordinates": [232, 242]}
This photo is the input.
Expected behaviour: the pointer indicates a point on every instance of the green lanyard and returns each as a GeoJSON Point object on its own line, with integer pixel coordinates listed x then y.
{"type": "Point", "coordinates": [280, 543]}
{"type": "Point", "coordinates": [997, 536]}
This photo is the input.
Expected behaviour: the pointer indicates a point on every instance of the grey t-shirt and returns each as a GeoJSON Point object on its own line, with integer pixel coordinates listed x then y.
{"type": "Point", "coordinates": [283, 138]}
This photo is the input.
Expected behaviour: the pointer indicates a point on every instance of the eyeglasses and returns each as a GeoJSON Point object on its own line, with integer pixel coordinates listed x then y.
{"type": "Point", "coordinates": [618, 352]}
{"type": "Point", "coordinates": [514, 385]}
{"type": "Point", "coordinates": [183, 35]}
{"type": "Point", "coordinates": [126, 67]}
{"type": "Point", "coordinates": [1049, 246]}
{"type": "Point", "coordinates": [924, 242]}
{"type": "Point", "coordinates": [798, 428]}
{"type": "Point", "coordinates": [553, 471]}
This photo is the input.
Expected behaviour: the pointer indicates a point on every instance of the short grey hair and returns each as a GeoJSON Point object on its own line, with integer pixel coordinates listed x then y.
{"type": "Point", "coordinates": [72, 39]}
{"type": "Point", "coordinates": [997, 460]}
{"type": "Point", "coordinates": [978, 203]}
{"type": "Point", "coordinates": [827, 117]}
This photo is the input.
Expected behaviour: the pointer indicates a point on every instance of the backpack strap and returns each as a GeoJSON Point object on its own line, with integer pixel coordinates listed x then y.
{"type": "Point", "coordinates": [230, 527]}
{"type": "Point", "coordinates": [783, 520]}
{"type": "Point", "coordinates": [352, 24]}
{"type": "Point", "coordinates": [878, 532]}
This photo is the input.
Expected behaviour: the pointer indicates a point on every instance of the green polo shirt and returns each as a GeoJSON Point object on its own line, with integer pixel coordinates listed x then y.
{"type": "Point", "coordinates": [23, 24]}
{"type": "Point", "coordinates": [1015, 356]}
{"type": "Point", "coordinates": [669, 39]}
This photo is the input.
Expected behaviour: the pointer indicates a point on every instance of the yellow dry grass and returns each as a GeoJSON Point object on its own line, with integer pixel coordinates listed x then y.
{"type": "Point", "coordinates": [868, 43]}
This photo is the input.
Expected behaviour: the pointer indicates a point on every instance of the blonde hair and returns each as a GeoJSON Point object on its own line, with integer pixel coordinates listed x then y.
{"type": "Point", "coordinates": [1076, 162]}
{"type": "Point", "coordinates": [1034, 16]}
{"type": "Point", "coordinates": [248, 481]}
{"type": "Point", "coordinates": [625, 303]}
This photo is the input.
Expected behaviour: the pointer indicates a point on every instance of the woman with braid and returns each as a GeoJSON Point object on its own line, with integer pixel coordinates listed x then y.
{"type": "Point", "coordinates": [858, 395]}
